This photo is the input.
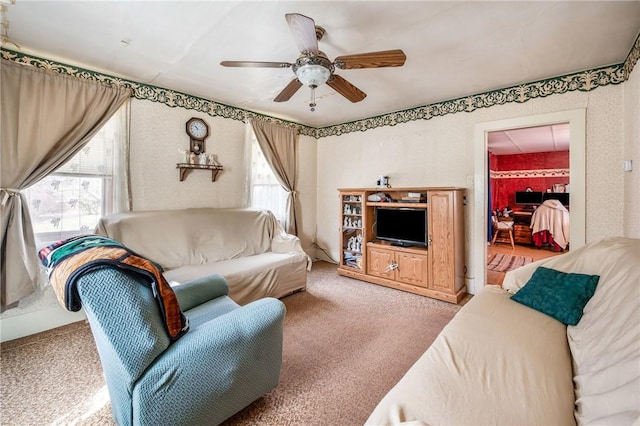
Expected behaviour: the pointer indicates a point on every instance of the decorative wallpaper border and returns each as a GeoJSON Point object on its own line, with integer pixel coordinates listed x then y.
{"type": "Point", "coordinates": [170, 98]}
{"type": "Point", "coordinates": [541, 173]}
{"type": "Point", "coordinates": [632, 58]}
{"type": "Point", "coordinates": [584, 81]}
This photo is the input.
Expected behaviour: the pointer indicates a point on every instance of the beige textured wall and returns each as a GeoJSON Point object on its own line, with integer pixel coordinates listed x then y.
{"type": "Point", "coordinates": [157, 132]}
{"type": "Point", "coordinates": [440, 152]}
{"type": "Point", "coordinates": [632, 152]}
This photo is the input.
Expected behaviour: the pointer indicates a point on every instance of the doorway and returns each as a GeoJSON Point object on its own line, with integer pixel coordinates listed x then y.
{"type": "Point", "coordinates": [526, 166]}
{"type": "Point", "coordinates": [576, 120]}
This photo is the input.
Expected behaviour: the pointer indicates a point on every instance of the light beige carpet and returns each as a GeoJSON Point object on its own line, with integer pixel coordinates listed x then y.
{"type": "Point", "coordinates": [346, 343]}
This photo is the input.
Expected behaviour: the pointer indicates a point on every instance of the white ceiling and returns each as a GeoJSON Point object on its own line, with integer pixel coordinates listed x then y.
{"type": "Point", "coordinates": [453, 48]}
{"type": "Point", "coordinates": [529, 140]}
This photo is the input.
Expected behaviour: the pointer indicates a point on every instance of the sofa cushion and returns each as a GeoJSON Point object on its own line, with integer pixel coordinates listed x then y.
{"type": "Point", "coordinates": [175, 238]}
{"type": "Point", "coordinates": [251, 277]}
{"type": "Point", "coordinates": [496, 362]}
{"type": "Point", "coordinates": [558, 294]}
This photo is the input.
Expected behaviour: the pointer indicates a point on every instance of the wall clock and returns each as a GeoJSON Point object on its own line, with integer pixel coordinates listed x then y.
{"type": "Point", "coordinates": [198, 130]}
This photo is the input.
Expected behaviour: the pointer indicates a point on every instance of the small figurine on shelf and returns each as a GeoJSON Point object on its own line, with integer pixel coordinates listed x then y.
{"type": "Point", "coordinates": [354, 244]}
{"type": "Point", "coordinates": [359, 242]}
{"type": "Point", "coordinates": [184, 154]}
{"type": "Point", "coordinates": [202, 159]}
{"type": "Point", "coordinates": [383, 182]}
{"type": "Point", "coordinates": [193, 158]}
{"type": "Point", "coordinates": [212, 160]}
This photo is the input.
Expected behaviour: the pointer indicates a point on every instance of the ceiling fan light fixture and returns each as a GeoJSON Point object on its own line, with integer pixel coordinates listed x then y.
{"type": "Point", "coordinates": [313, 75]}
{"type": "Point", "coordinates": [313, 68]}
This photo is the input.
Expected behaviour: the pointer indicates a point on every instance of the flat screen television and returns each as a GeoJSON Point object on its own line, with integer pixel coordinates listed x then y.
{"type": "Point", "coordinates": [563, 197]}
{"type": "Point", "coordinates": [402, 226]}
{"type": "Point", "coordinates": [531, 198]}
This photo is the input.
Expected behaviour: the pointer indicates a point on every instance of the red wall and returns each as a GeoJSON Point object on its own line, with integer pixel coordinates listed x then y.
{"type": "Point", "coordinates": [503, 188]}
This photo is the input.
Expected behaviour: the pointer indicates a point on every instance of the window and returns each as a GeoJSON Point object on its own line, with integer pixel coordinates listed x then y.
{"type": "Point", "coordinates": [265, 192]}
{"type": "Point", "coordinates": [70, 201]}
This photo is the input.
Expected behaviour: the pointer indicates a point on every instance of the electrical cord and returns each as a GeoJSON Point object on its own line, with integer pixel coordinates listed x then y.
{"type": "Point", "coordinates": [316, 246]}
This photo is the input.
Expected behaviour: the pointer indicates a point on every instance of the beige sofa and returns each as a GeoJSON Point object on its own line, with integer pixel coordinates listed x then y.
{"type": "Point", "coordinates": [246, 246]}
{"type": "Point", "coordinates": [501, 362]}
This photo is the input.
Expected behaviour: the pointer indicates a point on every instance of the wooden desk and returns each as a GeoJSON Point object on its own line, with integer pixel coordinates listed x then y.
{"type": "Point", "coordinates": [522, 217]}
{"type": "Point", "coordinates": [522, 228]}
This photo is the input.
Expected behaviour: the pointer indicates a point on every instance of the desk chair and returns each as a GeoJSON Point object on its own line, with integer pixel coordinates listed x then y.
{"type": "Point", "coordinates": [502, 226]}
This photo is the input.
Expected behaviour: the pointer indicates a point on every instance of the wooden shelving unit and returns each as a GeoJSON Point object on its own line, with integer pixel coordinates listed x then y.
{"type": "Point", "coordinates": [435, 271]}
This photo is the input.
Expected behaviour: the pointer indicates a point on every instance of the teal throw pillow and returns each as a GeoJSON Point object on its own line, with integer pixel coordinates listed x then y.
{"type": "Point", "coordinates": [561, 295]}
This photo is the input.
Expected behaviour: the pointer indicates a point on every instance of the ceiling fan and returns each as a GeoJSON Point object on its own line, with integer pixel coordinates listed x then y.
{"type": "Point", "coordinates": [313, 68]}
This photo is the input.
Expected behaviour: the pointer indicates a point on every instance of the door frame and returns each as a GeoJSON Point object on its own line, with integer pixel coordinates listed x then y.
{"type": "Point", "coordinates": [577, 169]}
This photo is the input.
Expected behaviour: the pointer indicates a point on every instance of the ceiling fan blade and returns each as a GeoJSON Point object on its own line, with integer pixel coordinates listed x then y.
{"type": "Point", "coordinates": [255, 64]}
{"type": "Point", "coordinates": [303, 29]}
{"type": "Point", "coordinates": [288, 91]}
{"type": "Point", "coordinates": [346, 89]}
{"type": "Point", "coordinates": [385, 58]}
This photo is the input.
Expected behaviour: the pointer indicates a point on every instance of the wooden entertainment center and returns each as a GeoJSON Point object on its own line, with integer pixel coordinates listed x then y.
{"type": "Point", "coordinates": [434, 270]}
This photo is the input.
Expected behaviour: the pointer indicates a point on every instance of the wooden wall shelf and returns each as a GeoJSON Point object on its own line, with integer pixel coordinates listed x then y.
{"type": "Point", "coordinates": [186, 167]}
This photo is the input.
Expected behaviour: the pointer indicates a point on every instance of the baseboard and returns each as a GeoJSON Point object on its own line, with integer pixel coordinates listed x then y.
{"type": "Point", "coordinates": [471, 285]}
{"type": "Point", "coordinates": [36, 322]}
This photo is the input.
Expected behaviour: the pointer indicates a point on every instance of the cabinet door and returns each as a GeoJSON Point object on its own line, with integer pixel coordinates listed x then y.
{"type": "Point", "coordinates": [412, 268]}
{"type": "Point", "coordinates": [381, 263]}
{"type": "Point", "coordinates": [443, 239]}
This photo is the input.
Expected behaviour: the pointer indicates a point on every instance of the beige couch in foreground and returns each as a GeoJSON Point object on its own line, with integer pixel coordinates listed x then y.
{"type": "Point", "coordinates": [248, 247]}
{"type": "Point", "coordinates": [501, 362]}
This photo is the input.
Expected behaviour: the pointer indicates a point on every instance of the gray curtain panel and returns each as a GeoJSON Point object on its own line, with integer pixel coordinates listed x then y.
{"type": "Point", "coordinates": [46, 119]}
{"type": "Point", "coordinates": [279, 146]}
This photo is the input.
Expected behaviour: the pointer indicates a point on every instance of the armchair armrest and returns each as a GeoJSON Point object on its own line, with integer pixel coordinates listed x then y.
{"type": "Point", "coordinates": [214, 370]}
{"type": "Point", "coordinates": [287, 243]}
{"type": "Point", "coordinates": [196, 292]}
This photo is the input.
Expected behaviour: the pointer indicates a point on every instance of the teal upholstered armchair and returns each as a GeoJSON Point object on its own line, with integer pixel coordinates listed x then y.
{"type": "Point", "coordinates": [230, 356]}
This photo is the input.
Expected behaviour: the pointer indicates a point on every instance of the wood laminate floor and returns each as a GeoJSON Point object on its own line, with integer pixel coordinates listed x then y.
{"type": "Point", "coordinates": [494, 278]}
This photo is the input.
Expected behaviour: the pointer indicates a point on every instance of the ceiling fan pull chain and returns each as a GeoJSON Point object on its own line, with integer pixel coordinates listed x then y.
{"type": "Point", "coordinates": [312, 101]}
